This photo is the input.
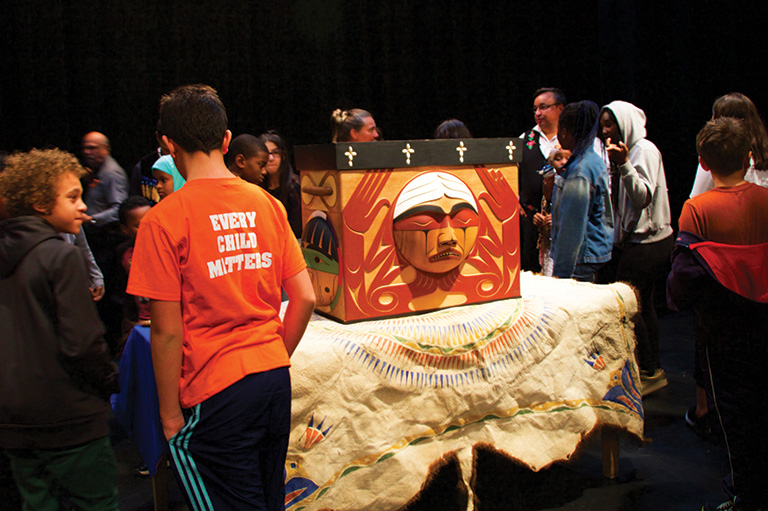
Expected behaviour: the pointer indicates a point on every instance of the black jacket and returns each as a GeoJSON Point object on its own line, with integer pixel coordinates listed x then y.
{"type": "Point", "coordinates": [55, 371]}
{"type": "Point", "coordinates": [727, 288]}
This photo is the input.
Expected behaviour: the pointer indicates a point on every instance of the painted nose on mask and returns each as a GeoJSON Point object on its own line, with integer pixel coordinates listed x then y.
{"type": "Point", "coordinates": [447, 234]}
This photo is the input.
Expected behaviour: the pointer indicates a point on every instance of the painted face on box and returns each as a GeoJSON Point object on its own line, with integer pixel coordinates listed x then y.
{"type": "Point", "coordinates": [435, 222]}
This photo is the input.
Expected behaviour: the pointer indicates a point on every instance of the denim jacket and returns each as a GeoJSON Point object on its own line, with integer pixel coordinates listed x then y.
{"type": "Point", "coordinates": [582, 216]}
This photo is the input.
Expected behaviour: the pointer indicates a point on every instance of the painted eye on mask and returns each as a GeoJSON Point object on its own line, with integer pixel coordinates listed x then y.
{"type": "Point", "coordinates": [465, 218]}
{"type": "Point", "coordinates": [419, 222]}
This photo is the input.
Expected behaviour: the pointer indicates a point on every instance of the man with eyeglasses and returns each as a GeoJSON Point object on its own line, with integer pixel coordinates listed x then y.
{"type": "Point", "coordinates": [548, 102]}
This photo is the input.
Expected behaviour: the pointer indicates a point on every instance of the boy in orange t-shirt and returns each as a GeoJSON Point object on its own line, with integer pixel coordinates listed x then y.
{"type": "Point", "coordinates": [212, 258]}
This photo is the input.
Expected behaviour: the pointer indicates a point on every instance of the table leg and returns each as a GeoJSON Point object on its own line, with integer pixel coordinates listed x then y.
{"type": "Point", "coordinates": [610, 444]}
{"type": "Point", "coordinates": [160, 486]}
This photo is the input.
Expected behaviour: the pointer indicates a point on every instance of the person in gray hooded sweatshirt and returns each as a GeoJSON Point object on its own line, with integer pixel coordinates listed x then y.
{"type": "Point", "coordinates": [643, 236]}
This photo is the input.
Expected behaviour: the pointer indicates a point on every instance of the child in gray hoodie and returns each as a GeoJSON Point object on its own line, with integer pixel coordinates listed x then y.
{"type": "Point", "coordinates": [643, 236]}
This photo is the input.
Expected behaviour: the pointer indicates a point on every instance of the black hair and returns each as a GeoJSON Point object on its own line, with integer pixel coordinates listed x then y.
{"type": "Point", "coordinates": [129, 204]}
{"type": "Point", "coordinates": [285, 171]}
{"type": "Point", "coordinates": [193, 117]}
{"type": "Point", "coordinates": [452, 128]}
{"type": "Point", "coordinates": [580, 119]}
{"type": "Point", "coordinates": [558, 95]}
{"type": "Point", "coordinates": [244, 144]}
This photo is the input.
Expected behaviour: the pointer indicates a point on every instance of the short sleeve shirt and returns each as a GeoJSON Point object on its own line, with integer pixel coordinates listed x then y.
{"type": "Point", "coordinates": [733, 215]}
{"type": "Point", "coordinates": [221, 247]}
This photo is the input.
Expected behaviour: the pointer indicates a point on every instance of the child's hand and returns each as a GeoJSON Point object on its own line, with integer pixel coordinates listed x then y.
{"type": "Point", "coordinates": [538, 220]}
{"type": "Point", "coordinates": [616, 153]}
{"type": "Point", "coordinates": [97, 293]}
{"type": "Point", "coordinates": [172, 425]}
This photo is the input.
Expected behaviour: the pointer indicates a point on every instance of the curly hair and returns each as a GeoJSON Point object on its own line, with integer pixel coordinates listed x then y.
{"type": "Point", "coordinates": [31, 179]}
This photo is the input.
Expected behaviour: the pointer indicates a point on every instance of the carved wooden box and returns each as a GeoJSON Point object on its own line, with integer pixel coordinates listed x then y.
{"type": "Point", "coordinates": [399, 227]}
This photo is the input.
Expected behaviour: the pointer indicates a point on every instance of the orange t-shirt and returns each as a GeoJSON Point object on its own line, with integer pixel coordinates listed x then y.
{"type": "Point", "coordinates": [221, 247]}
{"type": "Point", "coordinates": [733, 215]}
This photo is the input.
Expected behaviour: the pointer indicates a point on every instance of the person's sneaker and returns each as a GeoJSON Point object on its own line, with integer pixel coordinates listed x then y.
{"type": "Point", "coordinates": [706, 426]}
{"type": "Point", "coordinates": [652, 382]}
{"type": "Point", "coordinates": [690, 417]}
{"type": "Point", "coordinates": [141, 470]}
{"type": "Point", "coordinates": [728, 505]}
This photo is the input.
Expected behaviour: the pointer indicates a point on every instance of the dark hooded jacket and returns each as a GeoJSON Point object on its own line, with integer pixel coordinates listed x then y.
{"type": "Point", "coordinates": [727, 288]}
{"type": "Point", "coordinates": [55, 370]}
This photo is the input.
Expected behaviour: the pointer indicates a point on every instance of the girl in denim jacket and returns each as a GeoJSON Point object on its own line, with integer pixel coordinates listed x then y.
{"type": "Point", "coordinates": [582, 217]}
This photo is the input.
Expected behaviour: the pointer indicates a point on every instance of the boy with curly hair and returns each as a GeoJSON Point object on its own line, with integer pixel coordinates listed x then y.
{"type": "Point", "coordinates": [55, 370]}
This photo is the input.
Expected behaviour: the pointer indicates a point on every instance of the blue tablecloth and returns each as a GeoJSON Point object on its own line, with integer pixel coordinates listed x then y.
{"type": "Point", "coordinates": [136, 406]}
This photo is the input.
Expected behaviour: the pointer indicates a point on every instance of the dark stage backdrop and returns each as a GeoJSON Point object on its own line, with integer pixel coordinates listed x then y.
{"type": "Point", "coordinates": [69, 67]}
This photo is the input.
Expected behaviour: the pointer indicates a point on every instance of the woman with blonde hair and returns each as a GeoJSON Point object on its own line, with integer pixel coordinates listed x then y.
{"type": "Point", "coordinates": [354, 125]}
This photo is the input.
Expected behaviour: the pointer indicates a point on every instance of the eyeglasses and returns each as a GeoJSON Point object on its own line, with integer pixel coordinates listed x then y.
{"type": "Point", "coordinates": [274, 152]}
{"type": "Point", "coordinates": [542, 107]}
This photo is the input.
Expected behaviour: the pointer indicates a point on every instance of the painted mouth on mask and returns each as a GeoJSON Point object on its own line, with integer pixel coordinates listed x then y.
{"type": "Point", "coordinates": [448, 254]}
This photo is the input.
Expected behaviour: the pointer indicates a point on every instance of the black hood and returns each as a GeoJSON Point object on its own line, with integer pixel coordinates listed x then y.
{"type": "Point", "coordinates": [20, 235]}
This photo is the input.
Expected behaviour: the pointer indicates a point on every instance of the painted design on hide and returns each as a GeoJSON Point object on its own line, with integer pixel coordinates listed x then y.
{"type": "Point", "coordinates": [624, 390]}
{"type": "Point", "coordinates": [465, 348]}
{"type": "Point", "coordinates": [595, 360]}
{"type": "Point", "coordinates": [315, 433]}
